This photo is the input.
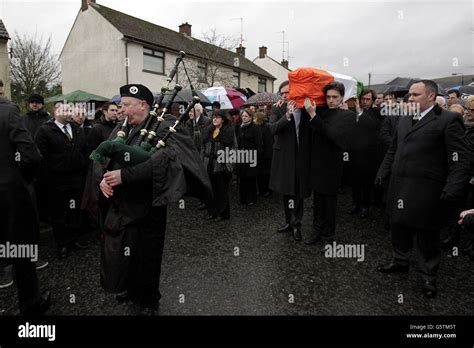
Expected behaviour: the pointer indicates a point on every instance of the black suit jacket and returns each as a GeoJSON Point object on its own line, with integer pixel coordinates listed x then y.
{"type": "Point", "coordinates": [290, 162]}
{"type": "Point", "coordinates": [331, 130]}
{"type": "Point", "coordinates": [424, 160]}
{"type": "Point", "coordinates": [19, 159]}
{"type": "Point", "coordinates": [65, 161]}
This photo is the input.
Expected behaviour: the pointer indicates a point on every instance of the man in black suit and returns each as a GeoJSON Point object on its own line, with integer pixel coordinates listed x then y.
{"type": "Point", "coordinates": [429, 169]}
{"type": "Point", "coordinates": [364, 153]}
{"type": "Point", "coordinates": [19, 159]}
{"type": "Point", "coordinates": [331, 126]}
{"type": "Point", "coordinates": [291, 157]}
{"type": "Point", "coordinates": [65, 157]}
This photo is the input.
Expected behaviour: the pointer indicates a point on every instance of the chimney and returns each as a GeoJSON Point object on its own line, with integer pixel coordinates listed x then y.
{"type": "Point", "coordinates": [85, 4]}
{"type": "Point", "coordinates": [240, 50]}
{"type": "Point", "coordinates": [185, 28]}
{"type": "Point", "coordinates": [284, 62]}
{"type": "Point", "coordinates": [262, 52]}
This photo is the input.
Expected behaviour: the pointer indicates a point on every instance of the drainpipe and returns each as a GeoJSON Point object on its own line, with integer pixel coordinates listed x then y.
{"type": "Point", "coordinates": [127, 62]}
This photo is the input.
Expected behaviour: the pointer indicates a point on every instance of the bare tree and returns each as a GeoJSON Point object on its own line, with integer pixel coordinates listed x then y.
{"type": "Point", "coordinates": [207, 71]}
{"type": "Point", "coordinates": [34, 68]}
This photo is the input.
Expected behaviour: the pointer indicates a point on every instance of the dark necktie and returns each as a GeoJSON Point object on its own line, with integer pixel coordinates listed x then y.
{"type": "Point", "coordinates": [67, 133]}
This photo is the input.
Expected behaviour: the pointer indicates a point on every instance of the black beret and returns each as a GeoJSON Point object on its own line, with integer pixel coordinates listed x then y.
{"type": "Point", "coordinates": [36, 98]}
{"type": "Point", "coordinates": [137, 91]}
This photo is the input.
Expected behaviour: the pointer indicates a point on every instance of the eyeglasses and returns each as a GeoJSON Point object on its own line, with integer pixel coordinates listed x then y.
{"type": "Point", "coordinates": [468, 109]}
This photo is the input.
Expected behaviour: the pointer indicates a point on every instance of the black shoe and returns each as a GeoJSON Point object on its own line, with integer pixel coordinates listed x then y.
{"type": "Point", "coordinates": [267, 194]}
{"type": "Point", "coordinates": [313, 239]}
{"type": "Point", "coordinates": [452, 240]}
{"type": "Point", "coordinates": [393, 268]}
{"type": "Point", "coordinates": [40, 264]}
{"type": "Point", "coordinates": [297, 234]}
{"type": "Point", "coordinates": [364, 213]}
{"type": "Point", "coordinates": [124, 297]}
{"type": "Point", "coordinates": [62, 252]}
{"type": "Point", "coordinates": [6, 276]}
{"type": "Point", "coordinates": [43, 304]}
{"type": "Point", "coordinates": [250, 204]}
{"type": "Point", "coordinates": [429, 289]}
{"type": "Point", "coordinates": [78, 246]}
{"type": "Point", "coordinates": [201, 206]}
{"type": "Point", "coordinates": [354, 210]}
{"type": "Point", "coordinates": [220, 218]}
{"type": "Point", "coordinates": [284, 228]}
{"type": "Point", "coordinates": [146, 310]}
{"type": "Point", "coordinates": [210, 217]}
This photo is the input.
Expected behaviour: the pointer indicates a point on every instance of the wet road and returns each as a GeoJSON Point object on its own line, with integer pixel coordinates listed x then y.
{"type": "Point", "coordinates": [241, 267]}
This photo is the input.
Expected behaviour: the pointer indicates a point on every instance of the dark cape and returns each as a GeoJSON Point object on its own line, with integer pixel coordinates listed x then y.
{"type": "Point", "coordinates": [136, 213]}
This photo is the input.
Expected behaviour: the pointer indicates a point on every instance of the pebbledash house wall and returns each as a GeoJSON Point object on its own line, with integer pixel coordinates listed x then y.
{"type": "Point", "coordinates": [93, 60]}
{"type": "Point", "coordinates": [93, 57]}
{"type": "Point", "coordinates": [274, 68]}
{"type": "Point", "coordinates": [5, 67]}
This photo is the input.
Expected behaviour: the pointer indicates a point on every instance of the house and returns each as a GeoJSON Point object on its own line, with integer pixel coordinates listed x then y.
{"type": "Point", "coordinates": [106, 49]}
{"type": "Point", "coordinates": [4, 60]}
{"type": "Point", "coordinates": [279, 70]}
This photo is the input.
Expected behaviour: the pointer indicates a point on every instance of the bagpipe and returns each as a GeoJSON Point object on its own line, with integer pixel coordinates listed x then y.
{"type": "Point", "coordinates": [126, 155]}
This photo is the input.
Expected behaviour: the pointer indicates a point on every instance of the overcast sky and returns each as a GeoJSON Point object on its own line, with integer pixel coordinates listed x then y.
{"type": "Point", "coordinates": [425, 39]}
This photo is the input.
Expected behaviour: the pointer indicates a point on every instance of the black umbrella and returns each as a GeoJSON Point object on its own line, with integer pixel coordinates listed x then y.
{"type": "Point", "coordinates": [246, 91]}
{"type": "Point", "coordinates": [401, 85]}
{"type": "Point", "coordinates": [466, 90]}
{"type": "Point", "coordinates": [398, 91]}
{"type": "Point", "coordinates": [185, 96]}
{"type": "Point", "coordinates": [263, 98]}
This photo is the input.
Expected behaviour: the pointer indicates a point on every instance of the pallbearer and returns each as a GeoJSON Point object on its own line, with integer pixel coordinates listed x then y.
{"type": "Point", "coordinates": [135, 223]}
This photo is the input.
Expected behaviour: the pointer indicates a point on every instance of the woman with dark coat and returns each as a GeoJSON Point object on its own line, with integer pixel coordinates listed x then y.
{"type": "Point", "coordinates": [249, 140]}
{"type": "Point", "coordinates": [265, 159]}
{"type": "Point", "coordinates": [219, 138]}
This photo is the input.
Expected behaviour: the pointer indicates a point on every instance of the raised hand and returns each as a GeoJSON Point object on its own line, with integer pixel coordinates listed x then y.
{"type": "Point", "coordinates": [310, 107]}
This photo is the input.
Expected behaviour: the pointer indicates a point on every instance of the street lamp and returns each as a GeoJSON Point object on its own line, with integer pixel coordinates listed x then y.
{"type": "Point", "coordinates": [462, 77]}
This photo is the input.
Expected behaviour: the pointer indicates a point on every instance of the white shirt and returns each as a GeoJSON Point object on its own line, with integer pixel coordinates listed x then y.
{"type": "Point", "coordinates": [423, 114]}
{"type": "Point", "coordinates": [61, 127]}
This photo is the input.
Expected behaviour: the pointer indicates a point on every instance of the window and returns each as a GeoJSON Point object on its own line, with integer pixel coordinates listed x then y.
{"type": "Point", "coordinates": [153, 61]}
{"type": "Point", "coordinates": [262, 85]}
{"type": "Point", "coordinates": [202, 72]}
{"type": "Point", "coordinates": [236, 79]}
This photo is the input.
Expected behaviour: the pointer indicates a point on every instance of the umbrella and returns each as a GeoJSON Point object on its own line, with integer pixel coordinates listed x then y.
{"type": "Point", "coordinates": [228, 97]}
{"type": "Point", "coordinates": [116, 99]}
{"type": "Point", "coordinates": [263, 98]}
{"type": "Point", "coordinates": [399, 86]}
{"type": "Point", "coordinates": [466, 90]}
{"type": "Point", "coordinates": [246, 91]}
{"type": "Point", "coordinates": [185, 96]}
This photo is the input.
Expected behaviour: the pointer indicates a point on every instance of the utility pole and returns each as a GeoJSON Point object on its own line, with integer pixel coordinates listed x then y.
{"type": "Point", "coordinates": [370, 75]}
